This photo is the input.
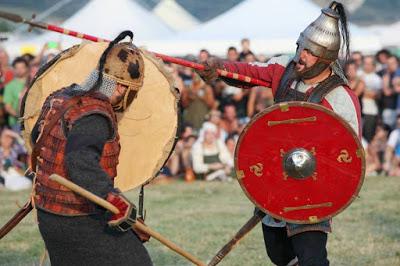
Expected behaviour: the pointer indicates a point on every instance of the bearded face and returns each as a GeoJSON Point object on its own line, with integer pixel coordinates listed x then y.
{"type": "Point", "coordinates": [305, 61]}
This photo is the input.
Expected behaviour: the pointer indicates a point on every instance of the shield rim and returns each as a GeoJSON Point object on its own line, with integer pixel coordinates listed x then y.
{"type": "Point", "coordinates": [313, 106]}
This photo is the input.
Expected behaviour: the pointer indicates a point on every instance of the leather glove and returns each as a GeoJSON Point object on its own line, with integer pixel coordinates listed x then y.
{"type": "Point", "coordinates": [126, 217]}
{"type": "Point", "coordinates": [209, 73]}
{"type": "Point", "coordinates": [143, 236]}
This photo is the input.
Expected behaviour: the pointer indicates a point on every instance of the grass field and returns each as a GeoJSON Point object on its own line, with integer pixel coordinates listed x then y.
{"type": "Point", "coordinates": [201, 217]}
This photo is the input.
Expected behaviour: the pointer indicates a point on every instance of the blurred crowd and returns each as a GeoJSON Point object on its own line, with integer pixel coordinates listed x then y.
{"type": "Point", "coordinates": [213, 116]}
{"type": "Point", "coordinates": [15, 77]}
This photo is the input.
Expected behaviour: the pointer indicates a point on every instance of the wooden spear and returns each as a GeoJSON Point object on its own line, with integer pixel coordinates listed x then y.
{"type": "Point", "coordinates": [18, 19]}
{"type": "Point", "coordinates": [108, 206]}
{"type": "Point", "coordinates": [243, 231]}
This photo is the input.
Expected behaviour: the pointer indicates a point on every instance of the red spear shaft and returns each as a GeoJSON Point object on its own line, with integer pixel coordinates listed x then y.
{"type": "Point", "coordinates": [18, 19]}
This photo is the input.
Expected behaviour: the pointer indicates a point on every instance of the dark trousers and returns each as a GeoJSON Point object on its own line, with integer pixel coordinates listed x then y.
{"type": "Point", "coordinates": [87, 240]}
{"type": "Point", "coordinates": [369, 126]}
{"type": "Point", "coordinates": [309, 247]}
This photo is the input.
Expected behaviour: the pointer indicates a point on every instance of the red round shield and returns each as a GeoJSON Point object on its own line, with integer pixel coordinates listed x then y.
{"type": "Point", "coordinates": [300, 162]}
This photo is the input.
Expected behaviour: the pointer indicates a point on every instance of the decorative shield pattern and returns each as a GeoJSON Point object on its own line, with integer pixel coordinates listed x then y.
{"type": "Point", "coordinates": [300, 162]}
{"type": "Point", "coordinates": [148, 127]}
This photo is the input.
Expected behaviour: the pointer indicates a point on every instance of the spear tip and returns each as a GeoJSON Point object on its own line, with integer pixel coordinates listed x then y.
{"type": "Point", "coordinates": [10, 16]}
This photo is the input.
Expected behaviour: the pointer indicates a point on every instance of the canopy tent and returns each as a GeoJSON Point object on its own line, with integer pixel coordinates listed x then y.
{"type": "Point", "coordinates": [175, 16]}
{"type": "Point", "coordinates": [105, 19]}
{"type": "Point", "coordinates": [273, 26]}
{"type": "Point", "coordinates": [388, 34]}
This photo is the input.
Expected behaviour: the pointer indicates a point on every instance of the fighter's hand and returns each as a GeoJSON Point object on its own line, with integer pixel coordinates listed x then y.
{"type": "Point", "coordinates": [209, 73]}
{"type": "Point", "coordinates": [126, 217]}
{"type": "Point", "coordinates": [143, 236]}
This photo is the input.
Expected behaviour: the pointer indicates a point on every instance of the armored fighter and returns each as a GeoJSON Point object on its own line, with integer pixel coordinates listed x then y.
{"type": "Point", "coordinates": [76, 136]}
{"type": "Point", "coordinates": [314, 75]}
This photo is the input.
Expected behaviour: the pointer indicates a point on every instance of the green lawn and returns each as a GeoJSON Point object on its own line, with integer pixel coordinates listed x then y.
{"type": "Point", "coordinates": [201, 217]}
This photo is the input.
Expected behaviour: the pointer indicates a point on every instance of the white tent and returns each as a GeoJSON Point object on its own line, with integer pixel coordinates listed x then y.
{"type": "Point", "coordinates": [273, 26]}
{"type": "Point", "coordinates": [175, 16]}
{"type": "Point", "coordinates": [388, 34]}
{"type": "Point", "coordinates": [105, 19]}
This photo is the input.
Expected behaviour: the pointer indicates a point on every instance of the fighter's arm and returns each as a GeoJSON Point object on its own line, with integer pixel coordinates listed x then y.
{"type": "Point", "coordinates": [270, 72]}
{"type": "Point", "coordinates": [85, 142]}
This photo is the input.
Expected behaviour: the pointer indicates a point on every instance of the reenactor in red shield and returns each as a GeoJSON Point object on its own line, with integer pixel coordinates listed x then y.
{"type": "Point", "coordinates": [313, 75]}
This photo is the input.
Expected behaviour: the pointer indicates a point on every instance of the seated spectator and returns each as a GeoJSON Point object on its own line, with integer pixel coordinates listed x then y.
{"type": "Point", "coordinates": [180, 161]}
{"type": "Point", "coordinates": [375, 151]}
{"type": "Point", "coordinates": [211, 158]}
{"type": "Point", "coordinates": [392, 153]}
{"type": "Point", "coordinates": [230, 143]}
{"type": "Point", "coordinates": [214, 117]}
{"type": "Point", "coordinates": [12, 169]}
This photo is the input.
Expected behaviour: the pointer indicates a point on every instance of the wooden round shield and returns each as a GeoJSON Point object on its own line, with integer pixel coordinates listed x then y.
{"type": "Point", "coordinates": [147, 128]}
{"type": "Point", "coordinates": [300, 162]}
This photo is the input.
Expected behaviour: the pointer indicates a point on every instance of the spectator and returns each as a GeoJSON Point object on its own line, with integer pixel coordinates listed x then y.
{"type": "Point", "coordinates": [376, 149]}
{"type": "Point", "coordinates": [245, 49]}
{"type": "Point", "coordinates": [229, 122]}
{"type": "Point", "coordinates": [197, 99]}
{"type": "Point", "coordinates": [180, 161]}
{"type": "Point", "coordinates": [232, 54]}
{"type": "Point", "coordinates": [262, 58]}
{"type": "Point", "coordinates": [259, 99]}
{"type": "Point", "coordinates": [373, 88]}
{"type": "Point", "coordinates": [250, 58]}
{"type": "Point", "coordinates": [12, 168]}
{"type": "Point", "coordinates": [6, 72]}
{"type": "Point", "coordinates": [381, 57]}
{"type": "Point", "coordinates": [358, 58]}
{"type": "Point", "coordinates": [355, 82]}
{"type": "Point", "coordinates": [230, 143]}
{"type": "Point", "coordinates": [222, 99]}
{"type": "Point", "coordinates": [211, 158]}
{"type": "Point", "coordinates": [234, 96]}
{"type": "Point", "coordinates": [214, 118]}
{"type": "Point", "coordinates": [203, 55]}
{"type": "Point", "coordinates": [389, 97]}
{"type": "Point", "coordinates": [178, 81]}
{"type": "Point", "coordinates": [392, 152]}
{"type": "Point", "coordinates": [13, 90]}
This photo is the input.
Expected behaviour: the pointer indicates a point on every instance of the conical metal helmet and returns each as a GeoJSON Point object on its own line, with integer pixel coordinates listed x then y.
{"type": "Point", "coordinates": [322, 37]}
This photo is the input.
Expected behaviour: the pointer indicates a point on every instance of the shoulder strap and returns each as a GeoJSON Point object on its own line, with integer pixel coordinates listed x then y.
{"type": "Point", "coordinates": [46, 130]}
{"type": "Point", "coordinates": [284, 84]}
{"type": "Point", "coordinates": [325, 87]}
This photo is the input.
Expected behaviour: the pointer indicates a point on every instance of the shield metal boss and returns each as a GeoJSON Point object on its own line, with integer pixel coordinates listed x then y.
{"type": "Point", "coordinates": [300, 162]}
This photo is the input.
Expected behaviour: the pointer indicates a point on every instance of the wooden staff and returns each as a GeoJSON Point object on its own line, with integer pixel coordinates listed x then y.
{"type": "Point", "coordinates": [18, 19]}
{"type": "Point", "coordinates": [243, 231]}
{"type": "Point", "coordinates": [107, 205]}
